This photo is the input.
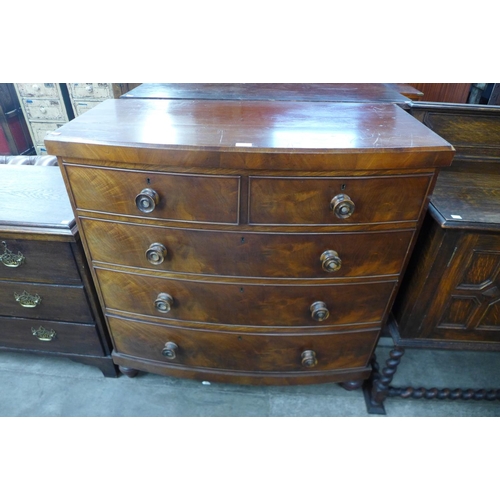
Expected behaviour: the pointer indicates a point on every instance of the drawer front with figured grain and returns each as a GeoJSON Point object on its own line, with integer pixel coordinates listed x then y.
{"type": "Point", "coordinates": [163, 196]}
{"type": "Point", "coordinates": [53, 336]}
{"type": "Point", "coordinates": [37, 300]}
{"type": "Point", "coordinates": [243, 351]}
{"type": "Point", "coordinates": [225, 253]}
{"type": "Point", "coordinates": [336, 200]}
{"type": "Point", "coordinates": [40, 261]}
{"type": "Point", "coordinates": [245, 304]}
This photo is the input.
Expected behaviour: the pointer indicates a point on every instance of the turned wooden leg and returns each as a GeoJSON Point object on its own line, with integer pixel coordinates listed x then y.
{"type": "Point", "coordinates": [377, 387]}
{"type": "Point", "coordinates": [129, 372]}
{"type": "Point", "coordinates": [351, 385]}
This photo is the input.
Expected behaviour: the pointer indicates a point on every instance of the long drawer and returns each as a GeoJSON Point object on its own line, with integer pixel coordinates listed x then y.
{"type": "Point", "coordinates": [173, 197]}
{"type": "Point", "coordinates": [242, 351]}
{"type": "Point", "coordinates": [245, 304]}
{"type": "Point", "coordinates": [316, 201]}
{"type": "Point", "coordinates": [41, 301]}
{"type": "Point", "coordinates": [251, 254]}
{"type": "Point", "coordinates": [53, 336]}
{"type": "Point", "coordinates": [41, 261]}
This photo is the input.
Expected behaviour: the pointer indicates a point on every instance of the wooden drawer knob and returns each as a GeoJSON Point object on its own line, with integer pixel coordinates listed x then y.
{"type": "Point", "coordinates": [309, 359]}
{"type": "Point", "coordinates": [319, 311]}
{"type": "Point", "coordinates": [170, 350]}
{"type": "Point", "coordinates": [342, 206]}
{"type": "Point", "coordinates": [147, 200]}
{"type": "Point", "coordinates": [164, 302]}
{"type": "Point", "coordinates": [330, 261]}
{"type": "Point", "coordinates": [156, 253]}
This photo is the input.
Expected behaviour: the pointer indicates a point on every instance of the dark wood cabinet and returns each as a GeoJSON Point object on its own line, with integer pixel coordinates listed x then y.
{"type": "Point", "coordinates": [247, 241]}
{"type": "Point", "coordinates": [48, 304]}
{"type": "Point", "coordinates": [450, 296]}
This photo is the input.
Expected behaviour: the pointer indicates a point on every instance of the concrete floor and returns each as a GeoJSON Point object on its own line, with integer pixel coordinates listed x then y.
{"type": "Point", "coordinates": [43, 386]}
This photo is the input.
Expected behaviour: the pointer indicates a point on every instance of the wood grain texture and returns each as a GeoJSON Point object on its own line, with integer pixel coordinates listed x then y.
{"type": "Point", "coordinates": [444, 92]}
{"type": "Point", "coordinates": [243, 352]}
{"type": "Point", "coordinates": [250, 254]}
{"type": "Point", "coordinates": [309, 92]}
{"type": "Point", "coordinates": [280, 135]}
{"type": "Point", "coordinates": [245, 304]}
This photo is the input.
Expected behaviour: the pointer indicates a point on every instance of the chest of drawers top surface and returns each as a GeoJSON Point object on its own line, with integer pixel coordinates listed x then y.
{"type": "Point", "coordinates": [315, 92]}
{"type": "Point", "coordinates": [361, 135]}
{"type": "Point", "coordinates": [33, 200]}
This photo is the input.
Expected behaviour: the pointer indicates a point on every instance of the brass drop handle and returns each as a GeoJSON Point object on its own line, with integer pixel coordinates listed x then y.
{"type": "Point", "coordinates": [43, 334]}
{"type": "Point", "coordinates": [164, 302]}
{"type": "Point", "coordinates": [342, 206]}
{"type": "Point", "coordinates": [330, 261]}
{"type": "Point", "coordinates": [170, 350]}
{"type": "Point", "coordinates": [319, 311]}
{"type": "Point", "coordinates": [156, 253]}
{"type": "Point", "coordinates": [9, 259]}
{"type": "Point", "coordinates": [147, 200]}
{"type": "Point", "coordinates": [309, 359]}
{"type": "Point", "coordinates": [25, 299]}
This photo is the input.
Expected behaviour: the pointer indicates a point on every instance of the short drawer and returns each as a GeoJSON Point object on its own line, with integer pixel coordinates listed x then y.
{"type": "Point", "coordinates": [40, 130]}
{"type": "Point", "coordinates": [37, 261]}
{"type": "Point", "coordinates": [50, 336]}
{"type": "Point", "coordinates": [91, 90]}
{"type": "Point", "coordinates": [243, 351]}
{"type": "Point", "coordinates": [173, 197]}
{"type": "Point", "coordinates": [244, 304]}
{"type": "Point", "coordinates": [44, 109]}
{"type": "Point", "coordinates": [81, 107]}
{"type": "Point", "coordinates": [251, 254]}
{"type": "Point", "coordinates": [40, 301]}
{"type": "Point", "coordinates": [38, 90]}
{"type": "Point", "coordinates": [330, 201]}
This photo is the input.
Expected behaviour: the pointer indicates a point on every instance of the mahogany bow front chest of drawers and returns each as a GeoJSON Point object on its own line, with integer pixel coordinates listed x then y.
{"type": "Point", "coordinates": [247, 242]}
{"type": "Point", "coordinates": [48, 303]}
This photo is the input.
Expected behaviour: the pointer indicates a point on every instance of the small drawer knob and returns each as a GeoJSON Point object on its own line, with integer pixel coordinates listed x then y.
{"type": "Point", "coordinates": [156, 253]}
{"type": "Point", "coordinates": [35, 86]}
{"type": "Point", "coordinates": [89, 88]}
{"type": "Point", "coordinates": [147, 200]}
{"type": "Point", "coordinates": [330, 261]}
{"type": "Point", "coordinates": [164, 302]}
{"type": "Point", "coordinates": [309, 359]}
{"type": "Point", "coordinates": [170, 350]}
{"type": "Point", "coordinates": [342, 206]}
{"type": "Point", "coordinates": [43, 110]}
{"type": "Point", "coordinates": [319, 311]}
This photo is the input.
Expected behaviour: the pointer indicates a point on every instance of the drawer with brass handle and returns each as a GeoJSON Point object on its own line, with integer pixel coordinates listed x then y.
{"type": "Point", "coordinates": [243, 303]}
{"type": "Point", "coordinates": [27, 260]}
{"type": "Point", "coordinates": [53, 336]}
{"type": "Point", "coordinates": [157, 195]}
{"type": "Point", "coordinates": [38, 300]}
{"type": "Point", "coordinates": [334, 201]}
{"type": "Point", "coordinates": [243, 351]}
{"type": "Point", "coordinates": [252, 254]}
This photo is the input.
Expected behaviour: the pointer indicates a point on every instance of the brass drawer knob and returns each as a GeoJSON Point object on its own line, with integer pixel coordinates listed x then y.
{"type": "Point", "coordinates": [9, 259]}
{"type": "Point", "coordinates": [319, 311]}
{"type": "Point", "coordinates": [170, 350]}
{"type": "Point", "coordinates": [309, 359]}
{"type": "Point", "coordinates": [43, 334]}
{"type": "Point", "coordinates": [147, 200]}
{"type": "Point", "coordinates": [164, 302]}
{"type": "Point", "coordinates": [330, 261]}
{"type": "Point", "coordinates": [342, 206]}
{"type": "Point", "coordinates": [156, 253]}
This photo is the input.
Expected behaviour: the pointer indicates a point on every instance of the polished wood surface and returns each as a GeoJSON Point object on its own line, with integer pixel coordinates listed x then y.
{"type": "Point", "coordinates": [310, 92]}
{"type": "Point", "coordinates": [207, 220]}
{"type": "Point", "coordinates": [444, 92]}
{"type": "Point", "coordinates": [259, 135]}
{"type": "Point", "coordinates": [252, 254]}
{"type": "Point", "coordinates": [31, 199]}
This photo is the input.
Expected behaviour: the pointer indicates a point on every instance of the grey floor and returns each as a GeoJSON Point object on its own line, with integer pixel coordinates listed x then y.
{"type": "Point", "coordinates": [43, 386]}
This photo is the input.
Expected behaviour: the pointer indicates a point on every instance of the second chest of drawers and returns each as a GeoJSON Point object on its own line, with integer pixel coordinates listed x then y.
{"type": "Point", "coordinates": [247, 242]}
